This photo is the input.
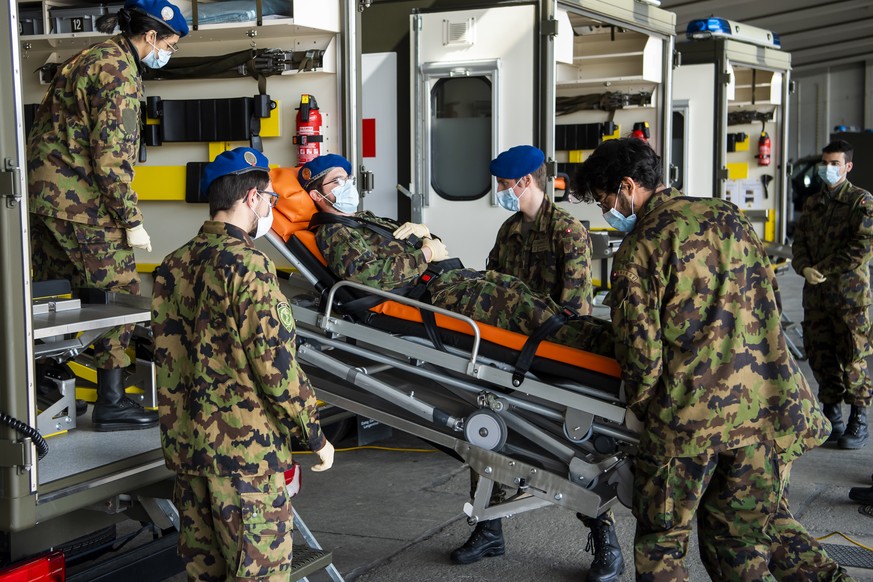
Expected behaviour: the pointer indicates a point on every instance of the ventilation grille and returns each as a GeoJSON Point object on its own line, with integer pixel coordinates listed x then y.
{"type": "Point", "coordinates": [459, 33]}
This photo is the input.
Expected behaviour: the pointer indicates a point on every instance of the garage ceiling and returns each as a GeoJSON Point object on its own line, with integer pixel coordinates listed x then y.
{"type": "Point", "coordinates": [817, 33]}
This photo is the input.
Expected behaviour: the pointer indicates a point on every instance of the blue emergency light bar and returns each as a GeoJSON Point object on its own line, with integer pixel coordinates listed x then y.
{"type": "Point", "coordinates": [722, 28]}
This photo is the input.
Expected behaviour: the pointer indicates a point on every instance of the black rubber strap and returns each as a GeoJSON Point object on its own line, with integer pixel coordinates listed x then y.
{"type": "Point", "coordinates": [526, 357]}
{"type": "Point", "coordinates": [431, 329]}
{"type": "Point", "coordinates": [321, 218]}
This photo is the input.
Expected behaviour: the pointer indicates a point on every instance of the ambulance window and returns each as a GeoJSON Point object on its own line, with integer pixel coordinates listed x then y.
{"type": "Point", "coordinates": [460, 139]}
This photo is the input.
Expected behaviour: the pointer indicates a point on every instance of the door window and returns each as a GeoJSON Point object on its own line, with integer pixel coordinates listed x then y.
{"type": "Point", "coordinates": [461, 134]}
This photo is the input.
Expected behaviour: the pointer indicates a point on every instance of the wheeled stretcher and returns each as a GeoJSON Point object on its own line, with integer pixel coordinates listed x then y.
{"type": "Point", "coordinates": [551, 426]}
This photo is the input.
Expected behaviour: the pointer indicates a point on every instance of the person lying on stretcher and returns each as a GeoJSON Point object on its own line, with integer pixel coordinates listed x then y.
{"type": "Point", "coordinates": [380, 253]}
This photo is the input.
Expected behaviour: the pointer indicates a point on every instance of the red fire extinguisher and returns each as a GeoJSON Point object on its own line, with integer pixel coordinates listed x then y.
{"type": "Point", "coordinates": [764, 149]}
{"type": "Point", "coordinates": [641, 131]}
{"type": "Point", "coordinates": [308, 139]}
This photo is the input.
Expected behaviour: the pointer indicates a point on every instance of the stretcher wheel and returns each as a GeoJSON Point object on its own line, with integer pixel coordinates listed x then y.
{"type": "Point", "coordinates": [486, 430]}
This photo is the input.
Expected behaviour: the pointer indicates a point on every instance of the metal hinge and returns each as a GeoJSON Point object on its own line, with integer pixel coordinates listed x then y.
{"type": "Point", "coordinates": [368, 181]}
{"type": "Point", "coordinates": [677, 59]}
{"type": "Point", "coordinates": [674, 173]}
{"type": "Point", "coordinates": [792, 87]}
{"type": "Point", "coordinates": [10, 178]}
{"type": "Point", "coordinates": [16, 454]}
{"type": "Point", "coordinates": [549, 28]}
{"type": "Point", "coordinates": [551, 169]}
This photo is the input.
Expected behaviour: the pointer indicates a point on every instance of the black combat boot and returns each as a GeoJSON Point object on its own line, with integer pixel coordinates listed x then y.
{"type": "Point", "coordinates": [861, 495]}
{"type": "Point", "coordinates": [856, 434]}
{"type": "Point", "coordinates": [486, 540]}
{"type": "Point", "coordinates": [113, 410]}
{"type": "Point", "coordinates": [608, 562]}
{"type": "Point", "coordinates": [835, 415]}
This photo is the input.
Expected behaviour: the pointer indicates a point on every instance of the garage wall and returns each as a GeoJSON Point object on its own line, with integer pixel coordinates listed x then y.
{"type": "Point", "coordinates": [826, 98]}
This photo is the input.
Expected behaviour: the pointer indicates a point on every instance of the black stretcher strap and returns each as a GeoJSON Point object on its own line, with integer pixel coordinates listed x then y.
{"type": "Point", "coordinates": [360, 306]}
{"type": "Point", "coordinates": [550, 326]}
{"type": "Point", "coordinates": [321, 218]}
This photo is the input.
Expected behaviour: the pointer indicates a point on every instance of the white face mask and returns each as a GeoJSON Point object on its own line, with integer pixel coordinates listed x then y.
{"type": "Point", "coordinates": [264, 222]}
{"type": "Point", "coordinates": [619, 221]}
{"type": "Point", "coordinates": [830, 174]}
{"type": "Point", "coordinates": [346, 194]}
{"type": "Point", "coordinates": [508, 200]}
{"type": "Point", "coordinates": [156, 62]}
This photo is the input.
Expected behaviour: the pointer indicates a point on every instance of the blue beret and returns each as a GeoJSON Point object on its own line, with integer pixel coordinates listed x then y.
{"type": "Point", "coordinates": [517, 162]}
{"type": "Point", "coordinates": [235, 161]}
{"type": "Point", "coordinates": [312, 171]}
{"type": "Point", "coordinates": [162, 11]}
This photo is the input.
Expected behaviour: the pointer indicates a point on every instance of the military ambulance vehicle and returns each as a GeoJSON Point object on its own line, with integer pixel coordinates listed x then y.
{"type": "Point", "coordinates": [300, 78]}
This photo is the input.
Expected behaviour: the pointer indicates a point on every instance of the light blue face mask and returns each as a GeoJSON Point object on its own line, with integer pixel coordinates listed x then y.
{"type": "Point", "coordinates": [347, 198]}
{"type": "Point", "coordinates": [619, 221]}
{"type": "Point", "coordinates": [830, 174]}
{"type": "Point", "coordinates": [508, 200]}
{"type": "Point", "coordinates": [156, 62]}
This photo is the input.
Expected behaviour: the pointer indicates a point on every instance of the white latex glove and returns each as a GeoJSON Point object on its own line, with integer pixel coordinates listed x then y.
{"type": "Point", "coordinates": [438, 250]}
{"type": "Point", "coordinates": [325, 455]}
{"type": "Point", "coordinates": [138, 238]}
{"type": "Point", "coordinates": [409, 228]}
{"type": "Point", "coordinates": [813, 277]}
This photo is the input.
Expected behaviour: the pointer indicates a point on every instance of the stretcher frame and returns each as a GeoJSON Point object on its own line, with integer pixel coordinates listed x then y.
{"type": "Point", "coordinates": [547, 450]}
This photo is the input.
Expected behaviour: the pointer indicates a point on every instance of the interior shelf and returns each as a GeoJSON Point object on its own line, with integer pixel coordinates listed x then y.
{"type": "Point", "coordinates": [309, 23]}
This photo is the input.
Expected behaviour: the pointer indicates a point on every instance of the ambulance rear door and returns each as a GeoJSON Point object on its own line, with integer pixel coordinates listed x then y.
{"type": "Point", "coordinates": [473, 96]}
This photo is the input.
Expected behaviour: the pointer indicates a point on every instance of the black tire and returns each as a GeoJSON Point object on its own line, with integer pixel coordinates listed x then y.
{"type": "Point", "coordinates": [337, 431]}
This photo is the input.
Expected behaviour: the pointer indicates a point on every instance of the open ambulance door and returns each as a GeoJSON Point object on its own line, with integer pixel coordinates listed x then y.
{"type": "Point", "coordinates": [17, 401]}
{"type": "Point", "coordinates": [473, 96]}
{"type": "Point", "coordinates": [613, 66]}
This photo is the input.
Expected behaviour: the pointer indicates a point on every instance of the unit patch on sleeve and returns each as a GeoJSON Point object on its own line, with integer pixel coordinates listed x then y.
{"type": "Point", "coordinates": [286, 316]}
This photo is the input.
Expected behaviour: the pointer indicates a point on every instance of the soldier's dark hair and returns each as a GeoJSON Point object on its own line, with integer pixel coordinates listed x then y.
{"type": "Point", "coordinates": [612, 161]}
{"type": "Point", "coordinates": [838, 146]}
{"type": "Point", "coordinates": [316, 185]}
{"type": "Point", "coordinates": [133, 22]}
{"type": "Point", "coordinates": [539, 176]}
{"type": "Point", "coordinates": [226, 191]}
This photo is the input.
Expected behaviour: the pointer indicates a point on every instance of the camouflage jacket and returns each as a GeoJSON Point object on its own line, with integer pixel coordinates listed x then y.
{"type": "Point", "coordinates": [699, 338]}
{"type": "Point", "coordinates": [834, 236]}
{"type": "Point", "coordinates": [230, 391]}
{"type": "Point", "coordinates": [553, 258]}
{"type": "Point", "coordinates": [361, 255]}
{"type": "Point", "coordinates": [85, 139]}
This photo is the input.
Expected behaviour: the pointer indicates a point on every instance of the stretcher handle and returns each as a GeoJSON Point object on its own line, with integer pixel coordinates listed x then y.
{"type": "Point", "coordinates": [477, 336]}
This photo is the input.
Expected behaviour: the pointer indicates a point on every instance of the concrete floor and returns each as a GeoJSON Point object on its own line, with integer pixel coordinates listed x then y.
{"type": "Point", "coordinates": [396, 515]}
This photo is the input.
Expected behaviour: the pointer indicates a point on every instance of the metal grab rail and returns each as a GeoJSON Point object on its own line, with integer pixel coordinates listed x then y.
{"type": "Point", "coordinates": [477, 336]}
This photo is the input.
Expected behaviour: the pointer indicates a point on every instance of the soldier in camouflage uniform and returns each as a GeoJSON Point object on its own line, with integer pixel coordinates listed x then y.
{"type": "Point", "coordinates": [541, 244]}
{"type": "Point", "coordinates": [832, 251]}
{"type": "Point", "coordinates": [723, 405]}
{"type": "Point", "coordinates": [230, 392]}
{"type": "Point", "coordinates": [548, 249]}
{"type": "Point", "coordinates": [389, 262]}
{"type": "Point", "coordinates": [81, 150]}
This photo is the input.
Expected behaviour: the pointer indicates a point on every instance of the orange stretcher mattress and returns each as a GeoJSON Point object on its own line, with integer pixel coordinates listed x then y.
{"type": "Point", "coordinates": [291, 218]}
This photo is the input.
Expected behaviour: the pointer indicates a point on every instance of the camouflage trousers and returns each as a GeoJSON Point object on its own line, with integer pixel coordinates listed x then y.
{"type": "Point", "coordinates": [745, 529]}
{"type": "Point", "coordinates": [837, 345]}
{"type": "Point", "coordinates": [506, 302]}
{"type": "Point", "coordinates": [87, 256]}
{"type": "Point", "coordinates": [235, 528]}
{"type": "Point", "coordinates": [499, 494]}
